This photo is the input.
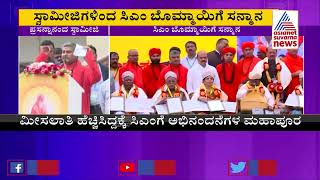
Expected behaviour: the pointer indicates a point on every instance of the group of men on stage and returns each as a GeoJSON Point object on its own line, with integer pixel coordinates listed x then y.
{"type": "Point", "coordinates": [210, 76]}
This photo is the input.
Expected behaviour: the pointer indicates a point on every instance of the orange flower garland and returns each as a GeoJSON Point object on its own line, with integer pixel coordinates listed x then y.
{"type": "Point", "coordinates": [216, 92]}
{"type": "Point", "coordinates": [164, 93]}
{"type": "Point", "coordinates": [135, 92]}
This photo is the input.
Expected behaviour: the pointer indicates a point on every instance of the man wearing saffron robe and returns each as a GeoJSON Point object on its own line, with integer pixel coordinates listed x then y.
{"type": "Point", "coordinates": [176, 67]}
{"type": "Point", "coordinates": [227, 73]}
{"type": "Point", "coordinates": [191, 59]}
{"type": "Point", "coordinates": [208, 90]}
{"type": "Point", "coordinates": [262, 52]}
{"type": "Point", "coordinates": [133, 66]}
{"type": "Point", "coordinates": [151, 73]}
{"type": "Point", "coordinates": [86, 76]}
{"type": "Point", "coordinates": [214, 57]}
{"type": "Point", "coordinates": [275, 74]}
{"type": "Point", "coordinates": [195, 74]}
{"type": "Point", "coordinates": [255, 85]}
{"type": "Point", "coordinates": [247, 63]}
{"type": "Point", "coordinates": [295, 65]}
{"type": "Point", "coordinates": [170, 90]}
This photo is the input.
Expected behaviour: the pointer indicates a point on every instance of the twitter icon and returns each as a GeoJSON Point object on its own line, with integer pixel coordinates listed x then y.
{"type": "Point", "coordinates": [237, 168]}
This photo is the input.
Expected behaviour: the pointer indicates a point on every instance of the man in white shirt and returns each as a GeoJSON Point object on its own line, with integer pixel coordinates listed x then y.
{"type": "Point", "coordinates": [191, 59]}
{"type": "Point", "coordinates": [194, 78]}
{"type": "Point", "coordinates": [105, 97]}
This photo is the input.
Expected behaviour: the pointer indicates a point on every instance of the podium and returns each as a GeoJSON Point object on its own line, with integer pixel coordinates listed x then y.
{"type": "Point", "coordinates": [253, 100]}
{"type": "Point", "coordinates": [42, 94]}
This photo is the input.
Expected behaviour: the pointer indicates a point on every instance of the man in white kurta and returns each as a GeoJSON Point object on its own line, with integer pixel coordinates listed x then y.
{"type": "Point", "coordinates": [164, 92]}
{"type": "Point", "coordinates": [191, 59]}
{"type": "Point", "coordinates": [129, 89]}
{"type": "Point", "coordinates": [194, 77]}
{"type": "Point", "coordinates": [253, 84]}
{"type": "Point", "coordinates": [105, 96]}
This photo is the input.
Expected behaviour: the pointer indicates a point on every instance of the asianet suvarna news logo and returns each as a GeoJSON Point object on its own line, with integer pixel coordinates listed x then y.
{"type": "Point", "coordinates": [285, 34]}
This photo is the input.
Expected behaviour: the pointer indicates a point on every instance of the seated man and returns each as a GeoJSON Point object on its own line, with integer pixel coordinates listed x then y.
{"type": "Point", "coordinates": [208, 90]}
{"type": "Point", "coordinates": [169, 90]}
{"type": "Point", "coordinates": [255, 90]}
{"type": "Point", "coordinates": [128, 88]}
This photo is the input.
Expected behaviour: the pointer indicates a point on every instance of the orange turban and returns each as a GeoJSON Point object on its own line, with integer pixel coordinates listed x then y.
{"type": "Point", "coordinates": [262, 48]}
{"type": "Point", "coordinates": [229, 49]}
{"type": "Point", "coordinates": [154, 51]}
{"type": "Point", "coordinates": [247, 45]}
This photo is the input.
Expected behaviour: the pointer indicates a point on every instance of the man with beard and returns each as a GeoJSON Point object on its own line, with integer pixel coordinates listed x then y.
{"type": "Point", "coordinates": [151, 73]}
{"type": "Point", "coordinates": [191, 59]}
{"type": "Point", "coordinates": [57, 56]}
{"type": "Point", "coordinates": [247, 63]}
{"type": "Point", "coordinates": [115, 66]}
{"type": "Point", "coordinates": [262, 52]}
{"type": "Point", "coordinates": [86, 76]}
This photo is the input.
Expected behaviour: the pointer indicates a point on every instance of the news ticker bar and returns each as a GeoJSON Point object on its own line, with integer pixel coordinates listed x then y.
{"type": "Point", "coordinates": [160, 122]}
{"type": "Point", "coordinates": [145, 17]}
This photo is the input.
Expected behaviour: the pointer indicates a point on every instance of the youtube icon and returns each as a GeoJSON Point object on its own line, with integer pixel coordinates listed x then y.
{"type": "Point", "coordinates": [127, 168]}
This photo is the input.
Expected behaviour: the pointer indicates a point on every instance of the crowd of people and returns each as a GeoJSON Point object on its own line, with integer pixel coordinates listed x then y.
{"type": "Point", "coordinates": [214, 75]}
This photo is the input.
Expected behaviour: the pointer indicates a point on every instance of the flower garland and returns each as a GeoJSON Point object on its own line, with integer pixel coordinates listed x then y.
{"type": "Point", "coordinates": [214, 93]}
{"type": "Point", "coordinates": [272, 87]}
{"type": "Point", "coordinates": [45, 69]}
{"type": "Point", "coordinates": [135, 92]}
{"type": "Point", "coordinates": [258, 88]}
{"type": "Point", "coordinates": [165, 91]}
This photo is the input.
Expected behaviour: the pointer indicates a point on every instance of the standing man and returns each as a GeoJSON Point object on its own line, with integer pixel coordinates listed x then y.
{"type": "Point", "coordinates": [151, 73]}
{"type": "Point", "coordinates": [295, 65]}
{"type": "Point", "coordinates": [227, 72]}
{"type": "Point", "coordinates": [46, 52]}
{"type": "Point", "coordinates": [214, 57]}
{"type": "Point", "coordinates": [191, 59]}
{"type": "Point", "coordinates": [115, 66]}
{"type": "Point", "coordinates": [247, 63]}
{"type": "Point", "coordinates": [275, 74]}
{"type": "Point", "coordinates": [86, 76]}
{"type": "Point", "coordinates": [262, 52]}
{"type": "Point", "coordinates": [195, 74]}
{"type": "Point", "coordinates": [176, 67]}
{"type": "Point", "coordinates": [58, 56]}
{"type": "Point", "coordinates": [133, 66]}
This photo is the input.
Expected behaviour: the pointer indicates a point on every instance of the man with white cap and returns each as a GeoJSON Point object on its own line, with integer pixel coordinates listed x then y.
{"type": "Point", "coordinates": [255, 85]}
{"type": "Point", "coordinates": [195, 74]}
{"type": "Point", "coordinates": [208, 90]}
{"type": "Point", "coordinates": [171, 89]}
{"type": "Point", "coordinates": [128, 89]}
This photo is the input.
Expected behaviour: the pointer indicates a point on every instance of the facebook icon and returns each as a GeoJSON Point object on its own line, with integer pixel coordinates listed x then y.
{"type": "Point", "coordinates": [16, 167]}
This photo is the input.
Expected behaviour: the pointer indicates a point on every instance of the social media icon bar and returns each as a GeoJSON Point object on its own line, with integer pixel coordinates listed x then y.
{"type": "Point", "coordinates": [32, 167]}
{"type": "Point", "coordinates": [252, 168]}
{"type": "Point", "coordinates": [16, 168]}
{"type": "Point", "coordinates": [147, 168]}
{"type": "Point", "coordinates": [238, 168]}
{"type": "Point", "coordinates": [127, 168]}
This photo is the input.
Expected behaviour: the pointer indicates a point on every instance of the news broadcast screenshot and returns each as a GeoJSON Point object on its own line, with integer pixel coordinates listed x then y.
{"type": "Point", "coordinates": [160, 90]}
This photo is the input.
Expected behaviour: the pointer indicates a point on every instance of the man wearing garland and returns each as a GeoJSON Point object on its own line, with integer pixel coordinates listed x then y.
{"type": "Point", "coordinates": [254, 85]}
{"type": "Point", "coordinates": [170, 90]}
{"type": "Point", "coordinates": [128, 89]}
{"type": "Point", "coordinates": [275, 74]}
